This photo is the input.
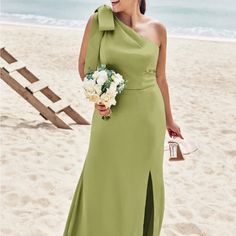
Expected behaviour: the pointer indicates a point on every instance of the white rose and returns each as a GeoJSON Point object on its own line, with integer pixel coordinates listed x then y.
{"type": "Point", "coordinates": [95, 75]}
{"type": "Point", "coordinates": [113, 101]}
{"type": "Point", "coordinates": [108, 99]}
{"type": "Point", "coordinates": [98, 88]}
{"type": "Point", "coordinates": [94, 98]}
{"type": "Point", "coordinates": [113, 87]}
{"type": "Point", "coordinates": [88, 85]}
{"type": "Point", "coordinates": [112, 93]}
{"type": "Point", "coordinates": [118, 78]}
{"type": "Point", "coordinates": [105, 99]}
{"type": "Point", "coordinates": [102, 77]}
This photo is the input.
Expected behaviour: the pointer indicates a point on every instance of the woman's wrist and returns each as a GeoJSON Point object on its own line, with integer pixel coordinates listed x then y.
{"type": "Point", "coordinates": [169, 121]}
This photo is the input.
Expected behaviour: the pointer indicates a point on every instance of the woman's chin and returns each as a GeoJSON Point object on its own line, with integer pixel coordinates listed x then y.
{"type": "Point", "coordinates": [115, 10]}
{"type": "Point", "coordinates": [115, 6]}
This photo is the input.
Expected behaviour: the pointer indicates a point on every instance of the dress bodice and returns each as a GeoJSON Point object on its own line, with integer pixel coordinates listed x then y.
{"type": "Point", "coordinates": [126, 51]}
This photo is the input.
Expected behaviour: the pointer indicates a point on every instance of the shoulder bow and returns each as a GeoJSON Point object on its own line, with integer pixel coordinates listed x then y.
{"type": "Point", "coordinates": [105, 18]}
{"type": "Point", "coordinates": [103, 21]}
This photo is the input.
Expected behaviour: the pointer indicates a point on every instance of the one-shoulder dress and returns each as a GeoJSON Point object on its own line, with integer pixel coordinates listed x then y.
{"type": "Point", "coordinates": [121, 188]}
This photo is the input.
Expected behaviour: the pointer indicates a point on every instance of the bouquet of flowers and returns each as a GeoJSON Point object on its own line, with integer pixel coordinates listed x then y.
{"type": "Point", "coordinates": [102, 86]}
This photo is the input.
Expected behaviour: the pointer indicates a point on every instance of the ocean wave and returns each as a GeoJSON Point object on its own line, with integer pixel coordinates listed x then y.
{"type": "Point", "coordinates": [204, 32]}
{"type": "Point", "coordinates": [41, 20]}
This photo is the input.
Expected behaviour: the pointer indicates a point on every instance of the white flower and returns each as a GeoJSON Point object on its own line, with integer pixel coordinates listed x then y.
{"type": "Point", "coordinates": [107, 100]}
{"type": "Point", "coordinates": [98, 89]}
{"type": "Point", "coordinates": [95, 75]}
{"type": "Point", "coordinates": [111, 92]}
{"type": "Point", "coordinates": [94, 98]}
{"type": "Point", "coordinates": [102, 77]}
{"type": "Point", "coordinates": [93, 84]}
{"type": "Point", "coordinates": [88, 85]}
{"type": "Point", "coordinates": [113, 86]}
{"type": "Point", "coordinates": [118, 78]}
{"type": "Point", "coordinates": [113, 101]}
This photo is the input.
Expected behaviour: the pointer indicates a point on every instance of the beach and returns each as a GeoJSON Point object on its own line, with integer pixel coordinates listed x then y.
{"type": "Point", "coordinates": [41, 164]}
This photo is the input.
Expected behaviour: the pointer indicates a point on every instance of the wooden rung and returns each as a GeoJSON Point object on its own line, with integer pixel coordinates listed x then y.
{"type": "Point", "coordinates": [36, 86]}
{"type": "Point", "coordinates": [14, 66]}
{"type": "Point", "coordinates": [59, 106]}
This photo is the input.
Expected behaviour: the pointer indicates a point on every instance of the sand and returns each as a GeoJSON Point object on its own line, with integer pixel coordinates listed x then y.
{"type": "Point", "coordinates": [41, 164]}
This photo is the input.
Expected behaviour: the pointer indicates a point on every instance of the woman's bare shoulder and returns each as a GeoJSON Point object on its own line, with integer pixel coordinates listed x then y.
{"type": "Point", "coordinates": [156, 29]}
{"type": "Point", "coordinates": [157, 25]}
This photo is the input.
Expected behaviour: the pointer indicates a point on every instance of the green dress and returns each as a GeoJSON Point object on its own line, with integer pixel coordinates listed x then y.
{"type": "Point", "coordinates": [121, 188]}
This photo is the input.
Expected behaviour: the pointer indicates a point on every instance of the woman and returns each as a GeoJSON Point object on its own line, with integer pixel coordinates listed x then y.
{"type": "Point", "coordinates": [121, 188]}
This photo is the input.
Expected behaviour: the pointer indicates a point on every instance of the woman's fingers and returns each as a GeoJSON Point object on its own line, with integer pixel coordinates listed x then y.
{"type": "Point", "coordinates": [181, 136]}
{"type": "Point", "coordinates": [105, 112]}
{"type": "Point", "coordinates": [178, 132]}
{"type": "Point", "coordinates": [172, 132]}
{"type": "Point", "coordinates": [175, 133]}
{"type": "Point", "coordinates": [102, 109]}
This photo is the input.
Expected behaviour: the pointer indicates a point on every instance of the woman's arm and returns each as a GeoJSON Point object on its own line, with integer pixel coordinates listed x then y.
{"type": "Point", "coordinates": [83, 48]}
{"type": "Point", "coordinates": [82, 56]}
{"type": "Point", "coordinates": [161, 72]}
{"type": "Point", "coordinates": [162, 82]}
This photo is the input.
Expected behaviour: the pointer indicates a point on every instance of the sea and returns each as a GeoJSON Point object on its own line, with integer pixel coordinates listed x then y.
{"type": "Point", "coordinates": [183, 18]}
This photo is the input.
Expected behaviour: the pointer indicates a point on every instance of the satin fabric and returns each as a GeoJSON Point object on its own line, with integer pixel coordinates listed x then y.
{"type": "Point", "coordinates": [121, 188]}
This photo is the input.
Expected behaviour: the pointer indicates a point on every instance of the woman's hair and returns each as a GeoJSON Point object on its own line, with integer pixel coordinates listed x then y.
{"type": "Point", "coordinates": [142, 6]}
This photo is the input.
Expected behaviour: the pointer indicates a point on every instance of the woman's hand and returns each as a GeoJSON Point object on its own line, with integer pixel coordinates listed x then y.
{"type": "Point", "coordinates": [174, 130]}
{"type": "Point", "coordinates": [102, 109]}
